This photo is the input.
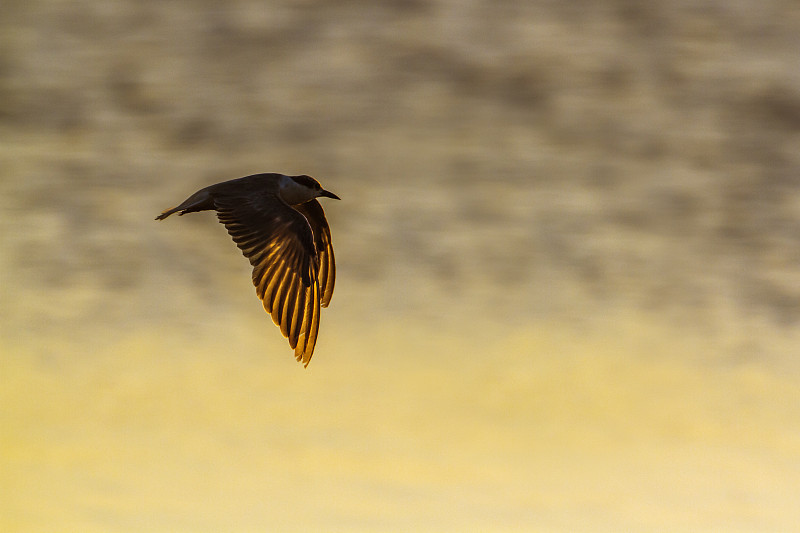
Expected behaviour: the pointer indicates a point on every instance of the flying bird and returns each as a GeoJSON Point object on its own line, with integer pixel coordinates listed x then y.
{"type": "Point", "coordinates": [281, 228]}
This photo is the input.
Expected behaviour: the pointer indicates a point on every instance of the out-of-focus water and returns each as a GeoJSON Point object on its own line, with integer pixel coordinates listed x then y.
{"type": "Point", "coordinates": [567, 252]}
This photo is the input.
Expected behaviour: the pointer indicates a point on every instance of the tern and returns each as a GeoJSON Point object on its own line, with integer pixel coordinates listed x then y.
{"type": "Point", "coordinates": [281, 228]}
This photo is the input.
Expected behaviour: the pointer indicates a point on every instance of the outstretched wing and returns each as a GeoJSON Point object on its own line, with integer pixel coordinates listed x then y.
{"type": "Point", "coordinates": [280, 245]}
{"type": "Point", "coordinates": [322, 241]}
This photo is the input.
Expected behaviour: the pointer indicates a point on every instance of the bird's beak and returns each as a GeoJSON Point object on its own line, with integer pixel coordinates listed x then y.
{"type": "Point", "coordinates": [328, 194]}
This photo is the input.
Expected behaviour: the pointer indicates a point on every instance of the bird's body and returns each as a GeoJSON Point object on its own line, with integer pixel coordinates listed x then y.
{"type": "Point", "coordinates": [281, 228]}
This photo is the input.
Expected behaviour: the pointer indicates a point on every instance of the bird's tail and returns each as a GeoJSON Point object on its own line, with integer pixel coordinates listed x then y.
{"type": "Point", "coordinates": [166, 213]}
{"type": "Point", "coordinates": [199, 201]}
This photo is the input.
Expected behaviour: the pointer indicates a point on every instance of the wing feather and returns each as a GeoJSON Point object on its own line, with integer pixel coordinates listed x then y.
{"type": "Point", "coordinates": [279, 299]}
{"type": "Point", "coordinates": [287, 315]}
{"type": "Point", "coordinates": [282, 245]}
{"type": "Point", "coordinates": [324, 245]}
{"type": "Point", "coordinates": [297, 315]}
{"type": "Point", "coordinates": [301, 352]}
{"type": "Point", "coordinates": [313, 329]}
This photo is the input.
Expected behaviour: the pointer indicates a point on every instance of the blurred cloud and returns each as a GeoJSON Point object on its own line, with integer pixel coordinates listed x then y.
{"type": "Point", "coordinates": [506, 168]}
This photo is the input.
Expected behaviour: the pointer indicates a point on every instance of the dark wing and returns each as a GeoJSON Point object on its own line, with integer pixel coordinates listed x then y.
{"type": "Point", "coordinates": [322, 241]}
{"type": "Point", "coordinates": [279, 243]}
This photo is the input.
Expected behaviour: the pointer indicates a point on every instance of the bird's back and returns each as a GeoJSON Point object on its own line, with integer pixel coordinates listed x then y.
{"type": "Point", "coordinates": [254, 185]}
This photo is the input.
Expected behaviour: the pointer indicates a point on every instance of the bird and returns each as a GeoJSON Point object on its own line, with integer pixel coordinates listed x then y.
{"type": "Point", "coordinates": [278, 224]}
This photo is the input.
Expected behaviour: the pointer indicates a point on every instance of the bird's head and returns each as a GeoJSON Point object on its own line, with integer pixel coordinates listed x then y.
{"type": "Point", "coordinates": [297, 190]}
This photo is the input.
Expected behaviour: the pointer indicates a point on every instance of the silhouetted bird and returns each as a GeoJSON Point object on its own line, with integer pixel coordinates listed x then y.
{"type": "Point", "coordinates": [280, 227]}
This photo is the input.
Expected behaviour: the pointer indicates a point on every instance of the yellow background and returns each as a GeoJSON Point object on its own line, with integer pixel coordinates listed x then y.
{"type": "Point", "coordinates": [568, 250]}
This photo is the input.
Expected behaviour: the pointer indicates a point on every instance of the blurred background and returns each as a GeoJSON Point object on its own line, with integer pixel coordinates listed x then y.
{"type": "Point", "coordinates": [568, 252]}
